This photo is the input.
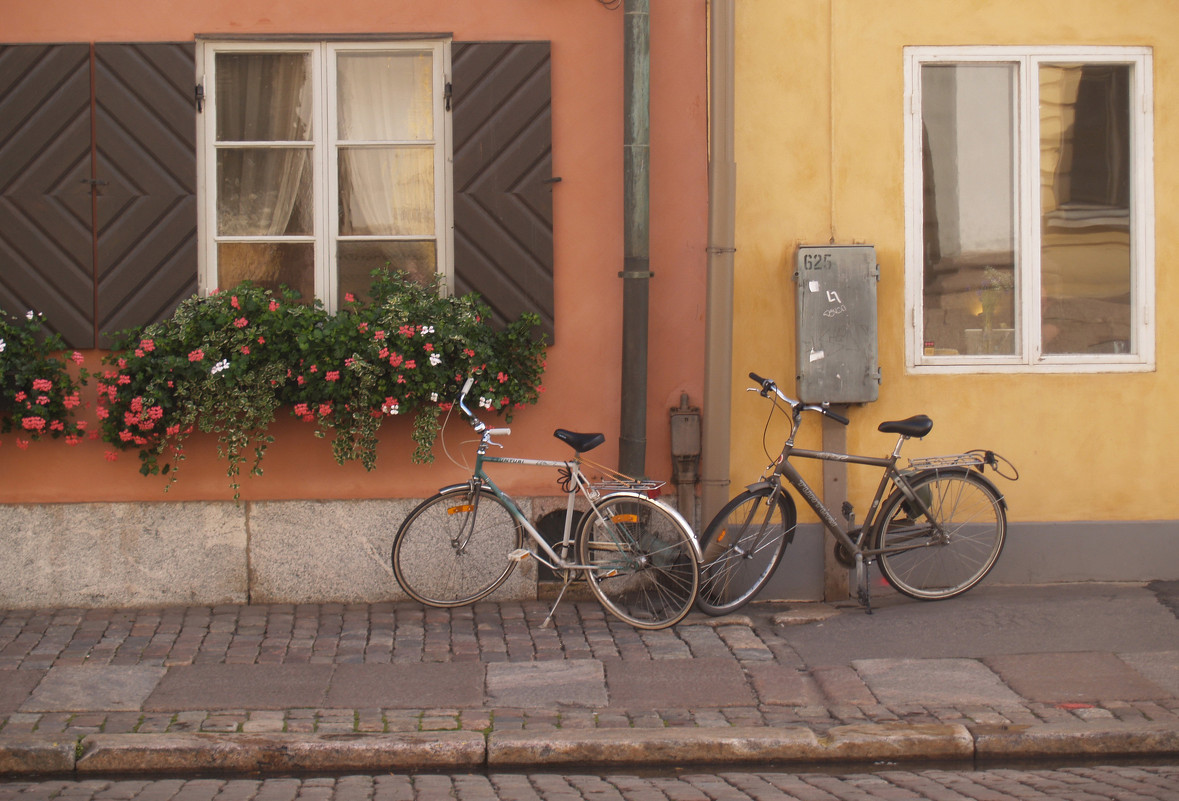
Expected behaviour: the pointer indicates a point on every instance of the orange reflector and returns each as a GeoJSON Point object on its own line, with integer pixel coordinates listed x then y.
{"type": "Point", "coordinates": [457, 510]}
{"type": "Point", "coordinates": [625, 518]}
{"type": "Point", "coordinates": [724, 533]}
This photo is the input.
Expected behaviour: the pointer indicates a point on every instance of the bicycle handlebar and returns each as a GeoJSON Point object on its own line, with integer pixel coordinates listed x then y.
{"type": "Point", "coordinates": [477, 424]}
{"type": "Point", "coordinates": [768, 386]}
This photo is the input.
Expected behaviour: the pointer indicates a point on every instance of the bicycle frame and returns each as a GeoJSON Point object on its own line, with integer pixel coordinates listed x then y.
{"type": "Point", "coordinates": [843, 535]}
{"type": "Point", "coordinates": [891, 477]}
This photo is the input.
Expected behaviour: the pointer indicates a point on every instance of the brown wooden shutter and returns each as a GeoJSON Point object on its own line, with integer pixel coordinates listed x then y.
{"type": "Point", "coordinates": [46, 244]}
{"type": "Point", "coordinates": [146, 159]}
{"type": "Point", "coordinates": [503, 169]}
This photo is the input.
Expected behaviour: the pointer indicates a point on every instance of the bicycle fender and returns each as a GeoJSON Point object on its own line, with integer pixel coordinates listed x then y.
{"type": "Point", "coordinates": [785, 497]}
{"type": "Point", "coordinates": [671, 510]}
{"type": "Point", "coordinates": [976, 473]}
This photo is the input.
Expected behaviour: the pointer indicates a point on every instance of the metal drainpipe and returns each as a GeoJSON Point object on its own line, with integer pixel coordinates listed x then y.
{"type": "Point", "coordinates": [636, 274]}
{"type": "Point", "coordinates": [722, 183]}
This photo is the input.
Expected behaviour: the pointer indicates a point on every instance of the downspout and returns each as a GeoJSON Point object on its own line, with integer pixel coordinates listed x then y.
{"type": "Point", "coordinates": [636, 274]}
{"type": "Point", "coordinates": [722, 191]}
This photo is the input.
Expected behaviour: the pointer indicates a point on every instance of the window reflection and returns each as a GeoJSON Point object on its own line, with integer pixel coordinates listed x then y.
{"type": "Point", "coordinates": [1085, 202]}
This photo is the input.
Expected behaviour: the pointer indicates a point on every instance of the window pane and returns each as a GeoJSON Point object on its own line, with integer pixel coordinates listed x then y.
{"type": "Point", "coordinates": [387, 191]}
{"type": "Point", "coordinates": [969, 161]}
{"type": "Point", "coordinates": [268, 264]}
{"type": "Point", "coordinates": [1085, 201]}
{"type": "Point", "coordinates": [264, 192]}
{"type": "Point", "coordinates": [263, 97]}
{"type": "Point", "coordinates": [358, 260]}
{"type": "Point", "coordinates": [385, 96]}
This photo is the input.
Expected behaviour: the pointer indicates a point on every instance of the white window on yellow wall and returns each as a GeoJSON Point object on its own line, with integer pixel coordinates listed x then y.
{"type": "Point", "coordinates": [322, 162]}
{"type": "Point", "coordinates": [1030, 225]}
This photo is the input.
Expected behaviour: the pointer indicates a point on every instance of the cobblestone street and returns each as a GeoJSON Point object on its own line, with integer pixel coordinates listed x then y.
{"type": "Point", "coordinates": [1066, 784]}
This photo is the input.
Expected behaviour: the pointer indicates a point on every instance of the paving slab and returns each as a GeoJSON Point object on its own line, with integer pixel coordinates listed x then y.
{"type": "Point", "coordinates": [936, 682]}
{"type": "Point", "coordinates": [1087, 677]}
{"type": "Point", "coordinates": [547, 684]}
{"type": "Point", "coordinates": [779, 685]}
{"type": "Point", "coordinates": [106, 688]}
{"type": "Point", "coordinates": [409, 686]}
{"type": "Point", "coordinates": [221, 686]}
{"type": "Point", "coordinates": [15, 687]}
{"type": "Point", "coordinates": [1160, 667]}
{"type": "Point", "coordinates": [677, 683]}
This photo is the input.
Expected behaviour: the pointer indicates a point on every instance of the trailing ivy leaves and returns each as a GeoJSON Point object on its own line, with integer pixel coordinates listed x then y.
{"type": "Point", "coordinates": [226, 363]}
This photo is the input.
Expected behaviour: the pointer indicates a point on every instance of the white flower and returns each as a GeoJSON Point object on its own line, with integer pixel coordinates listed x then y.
{"type": "Point", "coordinates": [30, 314]}
{"type": "Point", "coordinates": [435, 359]}
{"type": "Point", "coordinates": [3, 345]}
{"type": "Point", "coordinates": [221, 365]}
{"type": "Point", "coordinates": [485, 402]}
{"type": "Point", "coordinates": [427, 329]}
{"type": "Point", "coordinates": [390, 408]}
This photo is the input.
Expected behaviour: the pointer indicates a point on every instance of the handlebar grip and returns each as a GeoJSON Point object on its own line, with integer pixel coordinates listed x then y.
{"type": "Point", "coordinates": [498, 432]}
{"type": "Point", "coordinates": [758, 378]}
{"type": "Point", "coordinates": [467, 386]}
{"type": "Point", "coordinates": [837, 417]}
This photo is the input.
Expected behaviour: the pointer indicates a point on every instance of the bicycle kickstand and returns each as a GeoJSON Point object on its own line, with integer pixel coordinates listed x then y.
{"type": "Point", "coordinates": [548, 621]}
{"type": "Point", "coordinates": [862, 589]}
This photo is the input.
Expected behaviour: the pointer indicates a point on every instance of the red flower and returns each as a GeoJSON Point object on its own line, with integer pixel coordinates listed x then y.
{"type": "Point", "coordinates": [195, 356]}
{"type": "Point", "coordinates": [241, 322]}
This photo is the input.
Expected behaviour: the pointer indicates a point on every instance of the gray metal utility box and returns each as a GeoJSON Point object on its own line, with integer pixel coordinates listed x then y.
{"type": "Point", "coordinates": [836, 305]}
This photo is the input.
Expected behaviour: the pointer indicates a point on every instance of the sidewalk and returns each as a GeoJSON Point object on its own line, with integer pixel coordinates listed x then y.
{"type": "Point", "coordinates": [1071, 670]}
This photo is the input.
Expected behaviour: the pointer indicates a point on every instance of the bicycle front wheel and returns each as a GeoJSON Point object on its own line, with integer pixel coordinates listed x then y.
{"type": "Point", "coordinates": [947, 553]}
{"type": "Point", "coordinates": [641, 560]}
{"type": "Point", "coordinates": [453, 548]}
{"type": "Point", "coordinates": [742, 547]}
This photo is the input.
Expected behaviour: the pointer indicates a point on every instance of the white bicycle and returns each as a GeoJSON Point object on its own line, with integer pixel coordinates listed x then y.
{"type": "Point", "coordinates": [639, 555]}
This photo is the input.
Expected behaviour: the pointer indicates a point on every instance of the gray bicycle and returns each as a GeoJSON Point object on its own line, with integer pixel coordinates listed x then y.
{"type": "Point", "coordinates": [935, 527]}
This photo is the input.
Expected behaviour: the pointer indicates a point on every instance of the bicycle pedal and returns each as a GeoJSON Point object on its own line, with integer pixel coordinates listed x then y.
{"type": "Point", "coordinates": [519, 555]}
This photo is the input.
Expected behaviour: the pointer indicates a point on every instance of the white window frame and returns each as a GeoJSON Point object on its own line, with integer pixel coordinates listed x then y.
{"type": "Point", "coordinates": [324, 153]}
{"type": "Point", "coordinates": [1030, 357]}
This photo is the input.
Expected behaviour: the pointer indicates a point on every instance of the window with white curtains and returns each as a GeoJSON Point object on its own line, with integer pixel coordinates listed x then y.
{"type": "Point", "coordinates": [322, 162]}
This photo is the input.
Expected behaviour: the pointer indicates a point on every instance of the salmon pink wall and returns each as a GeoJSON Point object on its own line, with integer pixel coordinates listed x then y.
{"type": "Point", "coordinates": [582, 382]}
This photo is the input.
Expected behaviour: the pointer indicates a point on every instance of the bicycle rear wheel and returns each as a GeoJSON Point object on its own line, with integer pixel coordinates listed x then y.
{"type": "Point", "coordinates": [453, 548]}
{"type": "Point", "coordinates": [742, 547]}
{"type": "Point", "coordinates": [933, 564]}
{"type": "Point", "coordinates": [641, 560]}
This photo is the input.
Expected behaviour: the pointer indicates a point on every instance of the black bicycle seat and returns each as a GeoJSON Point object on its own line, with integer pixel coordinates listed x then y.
{"type": "Point", "coordinates": [579, 442]}
{"type": "Point", "coordinates": [916, 426]}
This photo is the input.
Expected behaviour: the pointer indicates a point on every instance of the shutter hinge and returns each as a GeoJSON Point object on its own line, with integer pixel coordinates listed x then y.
{"type": "Point", "coordinates": [446, 94]}
{"type": "Point", "coordinates": [200, 97]}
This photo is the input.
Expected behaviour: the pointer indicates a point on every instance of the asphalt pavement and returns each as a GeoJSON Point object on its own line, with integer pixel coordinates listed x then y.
{"type": "Point", "coordinates": [1002, 673]}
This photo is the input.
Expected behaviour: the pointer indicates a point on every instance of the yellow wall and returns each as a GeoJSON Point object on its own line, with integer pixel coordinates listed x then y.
{"type": "Point", "coordinates": [820, 158]}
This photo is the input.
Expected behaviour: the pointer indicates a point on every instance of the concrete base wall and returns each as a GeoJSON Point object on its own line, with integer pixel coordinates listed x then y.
{"type": "Point", "coordinates": [162, 554]}
{"type": "Point", "coordinates": [1034, 553]}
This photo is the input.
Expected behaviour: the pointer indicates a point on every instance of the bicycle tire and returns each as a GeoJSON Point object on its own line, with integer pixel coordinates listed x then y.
{"type": "Point", "coordinates": [971, 513]}
{"type": "Point", "coordinates": [743, 546]}
{"type": "Point", "coordinates": [452, 549]}
{"type": "Point", "coordinates": [641, 560]}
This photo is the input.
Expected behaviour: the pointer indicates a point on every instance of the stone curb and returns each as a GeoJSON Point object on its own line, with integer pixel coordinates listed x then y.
{"type": "Point", "coordinates": [1107, 739]}
{"type": "Point", "coordinates": [282, 753]}
{"type": "Point", "coordinates": [613, 747]}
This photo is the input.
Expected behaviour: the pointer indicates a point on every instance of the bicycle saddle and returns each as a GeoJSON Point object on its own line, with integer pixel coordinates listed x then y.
{"type": "Point", "coordinates": [579, 442]}
{"type": "Point", "coordinates": [916, 426]}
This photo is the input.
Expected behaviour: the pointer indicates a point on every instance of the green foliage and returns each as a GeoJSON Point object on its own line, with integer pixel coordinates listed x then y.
{"type": "Point", "coordinates": [38, 395]}
{"type": "Point", "coordinates": [226, 363]}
